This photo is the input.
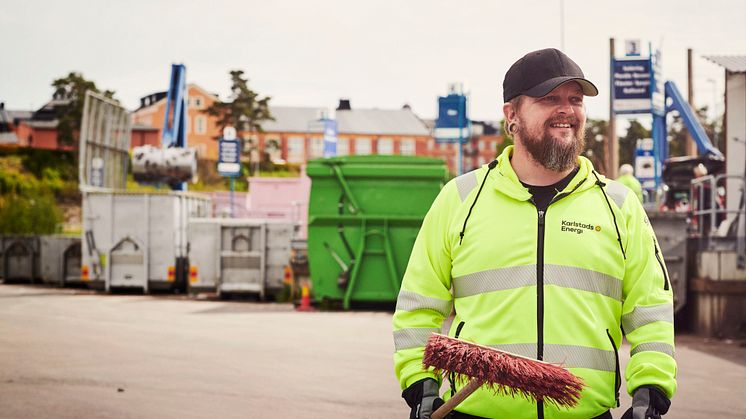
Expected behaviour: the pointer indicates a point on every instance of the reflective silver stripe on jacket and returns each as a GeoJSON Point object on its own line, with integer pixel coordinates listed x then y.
{"type": "Point", "coordinates": [412, 338]}
{"type": "Point", "coordinates": [411, 301]}
{"type": "Point", "coordinates": [524, 276]}
{"type": "Point", "coordinates": [617, 192]}
{"type": "Point", "coordinates": [641, 316]}
{"type": "Point", "coordinates": [570, 356]}
{"type": "Point", "coordinates": [466, 183]}
{"type": "Point", "coordinates": [662, 347]}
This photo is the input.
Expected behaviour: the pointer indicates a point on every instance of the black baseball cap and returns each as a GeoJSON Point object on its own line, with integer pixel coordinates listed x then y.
{"type": "Point", "coordinates": [538, 73]}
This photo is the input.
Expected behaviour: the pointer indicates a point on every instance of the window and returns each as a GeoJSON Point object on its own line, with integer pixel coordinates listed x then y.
{"type": "Point", "coordinates": [407, 147]}
{"type": "Point", "coordinates": [197, 102]}
{"type": "Point", "coordinates": [385, 146]}
{"type": "Point", "coordinates": [317, 147]}
{"type": "Point", "coordinates": [362, 146]}
{"type": "Point", "coordinates": [343, 146]}
{"type": "Point", "coordinates": [296, 149]}
{"type": "Point", "coordinates": [430, 144]}
{"type": "Point", "coordinates": [482, 145]}
{"type": "Point", "coordinates": [200, 123]}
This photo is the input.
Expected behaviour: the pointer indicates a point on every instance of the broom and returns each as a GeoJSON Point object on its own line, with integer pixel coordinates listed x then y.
{"type": "Point", "coordinates": [503, 372]}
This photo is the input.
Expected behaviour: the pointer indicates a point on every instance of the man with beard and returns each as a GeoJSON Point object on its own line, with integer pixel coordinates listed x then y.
{"type": "Point", "coordinates": [539, 255]}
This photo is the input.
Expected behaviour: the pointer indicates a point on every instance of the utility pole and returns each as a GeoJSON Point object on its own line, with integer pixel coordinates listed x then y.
{"type": "Point", "coordinates": [690, 148]}
{"type": "Point", "coordinates": [562, 25]}
{"type": "Point", "coordinates": [612, 148]}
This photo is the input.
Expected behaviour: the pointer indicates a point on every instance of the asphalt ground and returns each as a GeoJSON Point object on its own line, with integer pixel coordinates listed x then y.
{"type": "Point", "coordinates": [77, 354]}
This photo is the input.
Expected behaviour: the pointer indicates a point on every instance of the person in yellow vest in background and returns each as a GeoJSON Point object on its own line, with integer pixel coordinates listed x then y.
{"type": "Point", "coordinates": [628, 179]}
{"type": "Point", "coordinates": [539, 255]}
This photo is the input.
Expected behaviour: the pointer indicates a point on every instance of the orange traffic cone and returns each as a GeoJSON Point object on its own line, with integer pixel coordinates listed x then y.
{"type": "Point", "coordinates": [305, 299]}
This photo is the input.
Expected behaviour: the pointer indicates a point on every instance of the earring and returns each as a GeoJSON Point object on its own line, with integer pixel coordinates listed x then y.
{"type": "Point", "coordinates": [512, 127]}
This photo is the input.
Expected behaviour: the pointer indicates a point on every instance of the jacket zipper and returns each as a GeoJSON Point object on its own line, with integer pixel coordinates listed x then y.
{"type": "Point", "coordinates": [663, 267]}
{"type": "Point", "coordinates": [540, 298]}
{"type": "Point", "coordinates": [617, 371]}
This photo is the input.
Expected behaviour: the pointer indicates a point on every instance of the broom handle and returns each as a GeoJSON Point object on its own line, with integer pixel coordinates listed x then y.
{"type": "Point", "coordinates": [457, 398]}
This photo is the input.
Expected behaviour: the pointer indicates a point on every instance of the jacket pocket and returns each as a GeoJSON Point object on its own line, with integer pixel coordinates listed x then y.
{"type": "Point", "coordinates": [662, 265]}
{"type": "Point", "coordinates": [617, 374]}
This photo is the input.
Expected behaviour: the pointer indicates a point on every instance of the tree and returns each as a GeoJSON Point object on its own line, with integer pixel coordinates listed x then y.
{"type": "Point", "coordinates": [677, 131]}
{"type": "Point", "coordinates": [628, 143]}
{"type": "Point", "coordinates": [245, 111]}
{"type": "Point", "coordinates": [595, 143]}
{"type": "Point", "coordinates": [71, 90]}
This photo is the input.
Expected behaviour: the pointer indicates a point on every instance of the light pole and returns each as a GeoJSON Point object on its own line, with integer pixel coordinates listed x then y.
{"type": "Point", "coordinates": [562, 25]}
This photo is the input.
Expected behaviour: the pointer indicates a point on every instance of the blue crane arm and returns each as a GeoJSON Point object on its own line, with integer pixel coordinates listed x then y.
{"type": "Point", "coordinates": [704, 145]}
{"type": "Point", "coordinates": [174, 122]}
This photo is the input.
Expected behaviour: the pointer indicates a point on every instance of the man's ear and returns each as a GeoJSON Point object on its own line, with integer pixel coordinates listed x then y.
{"type": "Point", "coordinates": [509, 111]}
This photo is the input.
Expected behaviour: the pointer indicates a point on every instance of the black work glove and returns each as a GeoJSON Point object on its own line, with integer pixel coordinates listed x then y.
{"type": "Point", "coordinates": [648, 402]}
{"type": "Point", "coordinates": [422, 398]}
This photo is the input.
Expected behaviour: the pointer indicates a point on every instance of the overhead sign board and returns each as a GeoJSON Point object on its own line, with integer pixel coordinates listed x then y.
{"type": "Point", "coordinates": [632, 86]}
{"type": "Point", "coordinates": [229, 158]}
{"type": "Point", "coordinates": [330, 138]}
{"type": "Point", "coordinates": [452, 124]}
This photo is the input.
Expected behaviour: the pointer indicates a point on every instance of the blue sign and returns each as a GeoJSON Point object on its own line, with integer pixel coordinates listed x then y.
{"type": "Point", "coordinates": [229, 158]}
{"type": "Point", "coordinates": [658, 96]}
{"type": "Point", "coordinates": [632, 86]}
{"type": "Point", "coordinates": [330, 137]}
{"type": "Point", "coordinates": [453, 122]}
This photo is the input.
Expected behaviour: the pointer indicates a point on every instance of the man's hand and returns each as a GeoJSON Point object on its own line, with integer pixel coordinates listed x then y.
{"type": "Point", "coordinates": [648, 402]}
{"type": "Point", "coordinates": [422, 398]}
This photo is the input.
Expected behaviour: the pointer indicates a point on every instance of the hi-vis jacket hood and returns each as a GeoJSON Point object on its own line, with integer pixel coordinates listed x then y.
{"type": "Point", "coordinates": [557, 285]}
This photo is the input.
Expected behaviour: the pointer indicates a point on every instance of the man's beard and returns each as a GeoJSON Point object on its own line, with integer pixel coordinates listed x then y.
{"type": "Point", "coordinates": [555, 154]}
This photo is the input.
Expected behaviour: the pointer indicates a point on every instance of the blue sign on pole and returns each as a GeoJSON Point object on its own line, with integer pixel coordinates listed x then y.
{"type": "Point", "coordinates": [632, 86]}
{"type": "Point", "coordinates": [229, 158]}
{"type": "Point", "coordinates": [330, 137]}
{"type": "Point", "coordinates": [453, 122]}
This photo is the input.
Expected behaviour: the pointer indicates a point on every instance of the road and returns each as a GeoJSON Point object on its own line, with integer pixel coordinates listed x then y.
{"type": "Point", "coordinates": [75, 354]}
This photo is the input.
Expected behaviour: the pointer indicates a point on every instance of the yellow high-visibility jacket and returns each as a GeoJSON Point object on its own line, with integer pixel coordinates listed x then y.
{"type": "Point", "coordinates": [562, 285]}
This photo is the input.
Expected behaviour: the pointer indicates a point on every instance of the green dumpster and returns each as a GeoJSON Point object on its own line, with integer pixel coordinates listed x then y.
{"type": "Point", "coordinates": [363, 217]}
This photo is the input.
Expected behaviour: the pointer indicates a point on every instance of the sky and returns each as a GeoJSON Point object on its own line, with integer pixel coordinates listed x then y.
{"type": "Point", "coordinates": [379, 54]}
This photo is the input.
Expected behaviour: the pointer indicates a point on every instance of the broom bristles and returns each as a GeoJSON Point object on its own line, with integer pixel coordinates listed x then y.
{"type": "Point", "coordinates": [503, 372]}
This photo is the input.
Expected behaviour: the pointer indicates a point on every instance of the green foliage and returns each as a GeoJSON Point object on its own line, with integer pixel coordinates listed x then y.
{"type": "Point", "coordinates": [29, 214]}
{"type": "Point", "coordinates": [628, 143]}
{"type": "Point", "coordinates": [72, 88]}
{"type": "Point", "coordinates": [245, 111]}
{"type": "Point", "coordinates": [31, 182]}
{"type": "Point", "coordinates": [677, 132]}
{"type": "Point", "coordinates": [595, 143]}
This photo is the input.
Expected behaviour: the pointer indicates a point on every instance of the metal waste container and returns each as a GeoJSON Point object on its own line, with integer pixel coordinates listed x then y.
{"type": "Point", "coordinates": [20, 258]}
{"type": "Point", "coordinates": [239, 256]}
{"type": "Point", "coordinates": [138, 240]}
{"type": "Point", "coordinates": [60, 259]}
{"type": "Point", "coordinates": [364, 215]}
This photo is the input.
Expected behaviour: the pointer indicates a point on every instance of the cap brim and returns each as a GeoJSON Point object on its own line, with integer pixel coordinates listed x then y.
{"type": "Point", "coordinates": [589, 89]}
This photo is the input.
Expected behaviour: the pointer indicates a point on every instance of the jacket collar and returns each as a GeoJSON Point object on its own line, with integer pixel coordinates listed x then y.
{"type": "Point", "coordinates": [506, 181]}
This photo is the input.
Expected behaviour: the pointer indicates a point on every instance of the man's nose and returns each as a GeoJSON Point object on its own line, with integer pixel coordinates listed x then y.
{"type": "Point", "coordinates": [566, 108]}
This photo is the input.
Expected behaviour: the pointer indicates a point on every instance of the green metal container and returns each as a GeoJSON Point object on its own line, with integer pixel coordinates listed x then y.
{"type": "Point", "coordinates": [363, 217]}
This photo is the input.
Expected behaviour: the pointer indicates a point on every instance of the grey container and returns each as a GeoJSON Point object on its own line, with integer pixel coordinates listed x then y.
{"type": "Point", "coordinates": [239, 256]}
{"type": "Point", "coordinates": [671, 231]}
{"type": "Point", "coordinates": [20, 254]}
{"type": "Point", "coordinates": [138, 240]}
{"type": "Point", "coordinates": [60, 259]}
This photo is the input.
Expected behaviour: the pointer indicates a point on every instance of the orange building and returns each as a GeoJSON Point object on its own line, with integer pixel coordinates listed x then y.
{"type": "Point", "coordinates": [201, 128]}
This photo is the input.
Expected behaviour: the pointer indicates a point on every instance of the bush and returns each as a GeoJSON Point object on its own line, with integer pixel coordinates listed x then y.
{"type": "Point", "coordinates": [22, 214]}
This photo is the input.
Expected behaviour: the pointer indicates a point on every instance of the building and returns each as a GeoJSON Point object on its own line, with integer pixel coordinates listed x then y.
{"type": "Point", "coordinates": [38, 129]}
{"type": "Point", "coordinates": [201, 129]}
{"type": "Point", "coordinates": [297, 136]}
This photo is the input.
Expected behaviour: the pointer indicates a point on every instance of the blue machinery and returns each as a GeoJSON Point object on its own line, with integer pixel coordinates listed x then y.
{"type": "Point", "coordinates": [172, 164]}
{"type": "Point", "coordinates": [174, 122]}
